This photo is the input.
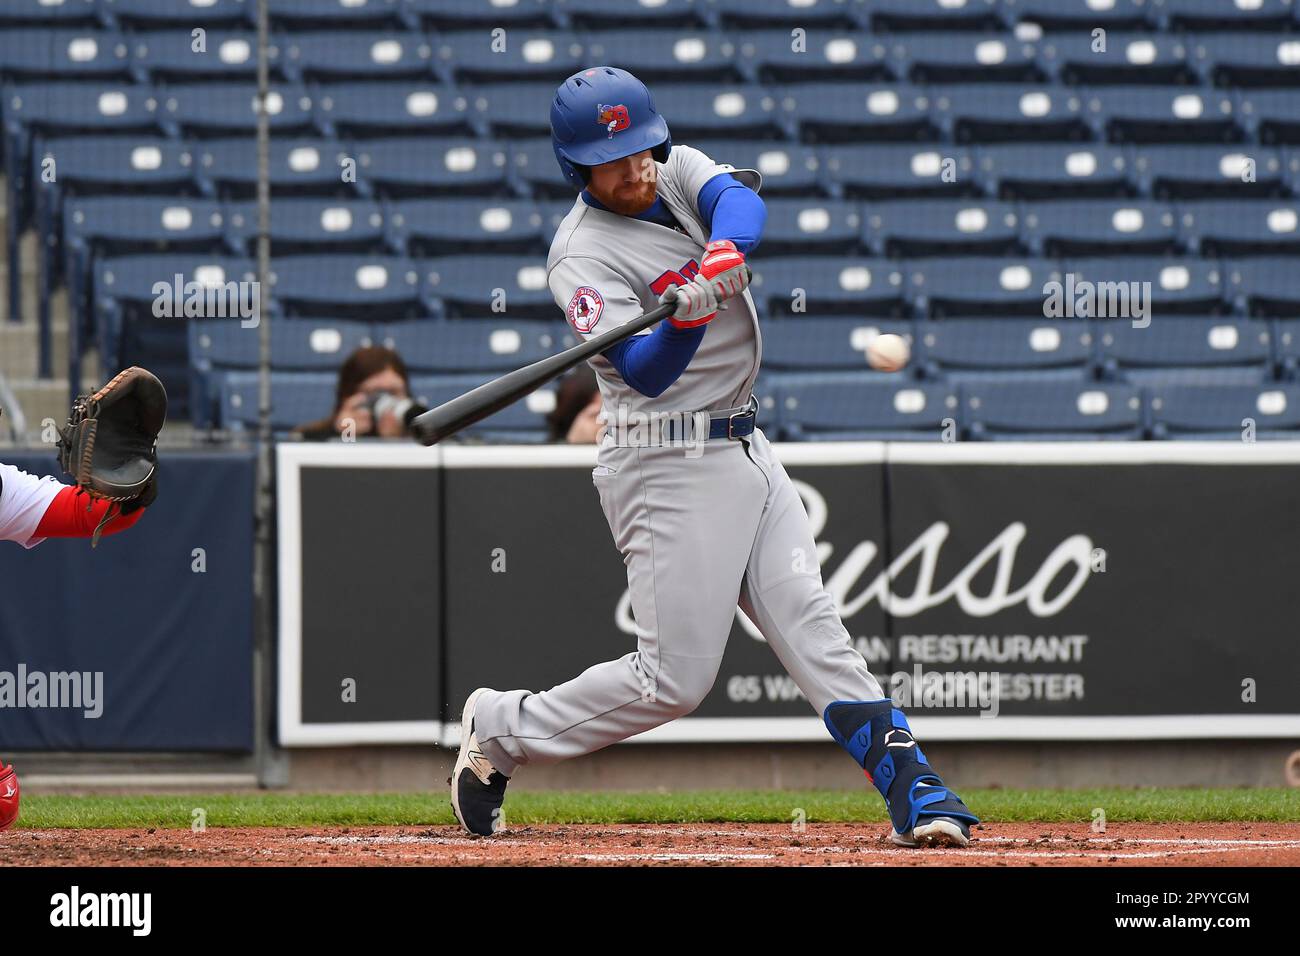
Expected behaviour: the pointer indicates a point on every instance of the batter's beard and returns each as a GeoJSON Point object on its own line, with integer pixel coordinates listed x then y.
{"type": "Point", "coordinates": [631, 205]}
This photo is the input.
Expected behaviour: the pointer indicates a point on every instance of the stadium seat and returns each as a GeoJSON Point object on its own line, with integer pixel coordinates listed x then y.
{"type": "Point", "coordinates": [521, 56]}
{"type": "Point", "coordinates": [534, 170]}
{"type": "Point", "coordinates": [1100, 227]}
{"type": "Point", "coordinates": [600, 15]}
{"type": "Point", "coordinates": [858, 112]}
{"type": "Point", "coordinates": [868, 171]}
{"type": "Point", "coordinates": [670, 55]}
{"type": "Point", "coordinates": [371, 109]}
{"type": "Point", "coordinates": [901, 16]}
{"type": "Point", "coordinates": [863, 407]}
{"type": "Point", "coordinates": [1078, 58]}
{"type": "Point", "coordinates": [806, 226]}
{"type": "Point", "coordinates": [1225, 412]}
{"type": "Point", "coordinates": [522, 421]}
{"type": "Point", "coordinates": [969, 350]}
{"type": "Point", "coordinates": [728, 110]}
{"type": "Point", "coordinates": [791, 285]}
{"type": "Point", "coordinates": [833, 56]}
{"type": "Point", "coordinates": [485, 345]}
{"type": "Point", "coordinates": [1162, 114]}
{"type": "Point", "coordinates": [1181, 285]}
{"type": "Point", "coordinates": [473, 286]}
{"type": "Point", "coordinates": [1010, 112]}
{"type": "Point", "coordinates": [784, 14]}
{"type": "Point", "coordinates": [1270, 116]}
{"type": "Point", "coordinates": [168, 56]}
{"type": "Point", "coordinates": [1198, 172]}
{"type": "Point", "coordinates": [823, 344]}
{"type": "Point", "coordinates": [1218, 15]}
{"type": "Point", "coordinates": [1024, 411]}
{"type": "Point", "coordinates": [978, 285]}
{"type": "Point", "coordinates": [16, 14]}
{"type": "Point", "coordinates": [1186, 350]}
{"type": "Point", "coordinates": [303, 225]}
{"type": "Point", "coordinates": [1266, 287]}
{"type": "Point", "coordinates": [353, 55]}
{"type": "Point", "coordinates": [938, 227]}
{"type": "Point", "coordinates": [1052, 171]}
{"type": "Point", "coordinates": [230, 109]}
{"type": "Point", "coordinates": [788, 169]}
{"type": "Point", "coordinates": [305, 15]}
{"type": "Point", "coordinates": [1063, 16]}
{"type": "Point", "coordinates": [434, 227]}
{"type": "Point", "coordinates": [156, 14]}
{"type": "Point", "coordinates": [1286, 344]}
{"type": "Point", "coordinates": [413, 167]}
{"type": "Point", "coordinates": [1241, 227]}
{"type": "Point", "coordinates": [370, 287]}
{"type": "Point", "coordinates": [219, 346]}
{"type": "Point", "coordinates": [297, 398]}
{"type": "Point", "coordinates": [297, 166]}
{"type": "Point", "coordinates": [468, 14]}
{"type": "Point", "coordinates": [1248, 59]}
{"type": "Point", "coordinates": [964, 57]}
{"type": "Point", "coordinates": [54, 55]}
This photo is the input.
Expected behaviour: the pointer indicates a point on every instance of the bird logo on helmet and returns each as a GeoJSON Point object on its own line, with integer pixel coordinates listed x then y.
{"type": "Point", "coordinates": [594, 104]}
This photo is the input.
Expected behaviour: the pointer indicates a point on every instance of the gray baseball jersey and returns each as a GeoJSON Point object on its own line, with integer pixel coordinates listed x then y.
{"type": "Point", "coordinates": [605, 269]}
{"type": "Point", "coordinates": [700, 533]}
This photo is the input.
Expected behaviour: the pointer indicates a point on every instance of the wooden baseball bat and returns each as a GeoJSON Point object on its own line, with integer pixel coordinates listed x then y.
{"type": "Point", "coordinates": [477, 404]}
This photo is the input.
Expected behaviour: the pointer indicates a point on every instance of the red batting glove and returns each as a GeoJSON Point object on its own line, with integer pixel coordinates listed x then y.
{"type": "Point", "coordinates": [724, 268]}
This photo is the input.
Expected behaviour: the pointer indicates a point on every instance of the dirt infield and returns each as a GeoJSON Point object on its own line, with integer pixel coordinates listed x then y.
{"type": "Point", "coordinates": [710, 844]}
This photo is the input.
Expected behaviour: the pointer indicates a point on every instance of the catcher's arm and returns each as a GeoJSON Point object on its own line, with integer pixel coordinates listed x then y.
{"type": "Point", "coordinates": [72, 515]}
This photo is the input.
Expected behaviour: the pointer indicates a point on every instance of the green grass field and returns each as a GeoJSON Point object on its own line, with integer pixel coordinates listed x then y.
{"type": "Point", "coordinates": [699, 806]}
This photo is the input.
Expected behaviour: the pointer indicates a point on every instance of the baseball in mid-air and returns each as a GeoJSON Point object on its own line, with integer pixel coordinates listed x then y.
{"type": "Point", "coordinates": [888, 352]}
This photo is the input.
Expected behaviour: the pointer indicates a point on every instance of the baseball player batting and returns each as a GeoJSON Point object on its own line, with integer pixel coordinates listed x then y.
{"type": "Point", "coordinates": [702, 530]}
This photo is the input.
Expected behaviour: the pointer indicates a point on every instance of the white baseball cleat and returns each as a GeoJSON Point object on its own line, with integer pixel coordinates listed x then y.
{"type": "Point", "coordinates": [477, 788]}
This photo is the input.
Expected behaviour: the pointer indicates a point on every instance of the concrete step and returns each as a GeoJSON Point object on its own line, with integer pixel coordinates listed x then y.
{"type": "Point", "coordinates": [43, 403]}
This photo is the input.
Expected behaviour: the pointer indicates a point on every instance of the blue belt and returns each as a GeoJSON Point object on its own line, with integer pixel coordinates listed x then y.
{"type": "Point", "coordinates": [732, 425]}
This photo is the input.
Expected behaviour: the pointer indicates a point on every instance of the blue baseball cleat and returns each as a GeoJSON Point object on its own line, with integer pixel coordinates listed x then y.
{"type": "Point", "coordinates": [922, 810]}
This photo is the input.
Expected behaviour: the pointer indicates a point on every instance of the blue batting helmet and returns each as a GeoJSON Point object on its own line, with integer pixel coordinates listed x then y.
{"type": "Point", "coordinates": [601, 114]}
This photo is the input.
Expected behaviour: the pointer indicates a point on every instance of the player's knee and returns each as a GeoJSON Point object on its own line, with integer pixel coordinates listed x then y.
{"type": "Point", "coordinates": [677, 693]}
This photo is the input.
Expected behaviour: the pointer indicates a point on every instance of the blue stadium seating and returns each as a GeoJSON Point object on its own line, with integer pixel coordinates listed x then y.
{"type": "Point", "coordinates": [964, 57]}
{"type": "Point", "coordinates": [297, 166]}
{"type": "Point", "coordinates": [1177, 172]}
{"type": "Point", "coordinates": [1267, 286]}
{"type": "Point", "coordinates": [486, 345]}
{"type": "Point", "coordinates": [788, 169]}
{"type": "Point", "coordinates": [818, 284]}
{"type": "Point", "coordinates": [336, 56]}
{"type": "Point", "coordinates": [1163, 114]}
{"type": "Point", "coordinates": [941, 227]}
{"type": "Point", "coordinates": [467, 14]}
{"type": "Point", "coordinates": [1248, 59]}
{"type": "Point", "coordinates": [1186, 350]}
{"type": "Point", "coordinates": [168, 56]}
{"type": "Point", "coordinates": [900, 16]}
{"type": "Point", "coordinates": [1216, 15]}
{"type": "Point", "coordinates": [482, 56]}
{"type": "Point", "coordinates": [394, 168]}
{"type": "Point", "coordinates": [1022, 411]}
{"type": "Point", "coordinates": [731, 110]}
{"type": "Point", "coordinates": [974, 350]}
{"type": "Point", "coordinates": [1225, 412]}
{"type": "Point", "coordinates": [787, 14]}
{"type": "Point", "coordinates": [828, 406]}
{"type": "Point", "coordinates": [836, 56]}
{"type": "Point", "coordinates": [1082, 15]}
{"type": "Point", "coordinates": [890, 171]}
{"type": "Point", "coordinates": [474, 286]}
{"type": "Point", "coordinates": [296, 399]}
{"type": "Point", "coordinates": [979, 285]}
{"type": "Point", "coordinates": [1052, 171]}
{"type": "Point", "coordinates": [53, 55]}
{"type": "Point", "coordinates": [1286, 344]}
{"type": "Point", "coordinates": [1242, 226]}
{"type": "Point", "coordinates": [367, 109]}
{"type": "Point", "coordinates": [303, 225]}
{"type": "Point", "coordinates": [15, 14]}
{"type": "Point", "coordinates": [523, 421]}
{"type": "Point", "coordinates": [351, 286]}
{"type": "Point", "coordinates": [1011, 112]}
{"type": "Point", "coordinates": [155, 14]}
{"type": "Point", "coordinates": [306, 15]}
{"type": "Point", "coordinates": [1101, 227]}
{"type": "Point", "coordinates": [1079, 58]}
{"type": "Point", "coordinates": [1271, 116]}
{"type": "Point", "coordinates": [439, 227]}
{"type": "Point", "coordinates": [810, 225]}
{"type": "Point", "coordinates": [857, 112]}
{"type": "Point", "coordinates": [1178, 285]}
{"type": "Point", "coordinates": [599, 15]}
{"type": "Point", "coordinates": [230, 109]}
{"type": "Point", "coordinates": [826, 344]}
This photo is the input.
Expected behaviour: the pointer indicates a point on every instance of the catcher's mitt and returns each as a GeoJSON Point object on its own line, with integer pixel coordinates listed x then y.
{"type": "Point", "coordinates": [109, 446]}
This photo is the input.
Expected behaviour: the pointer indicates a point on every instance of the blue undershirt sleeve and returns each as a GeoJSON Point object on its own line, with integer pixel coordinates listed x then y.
{"type": "Point", "coordinates": [650, 363]}
{"type": "Point", "coordinates": [732, 211]}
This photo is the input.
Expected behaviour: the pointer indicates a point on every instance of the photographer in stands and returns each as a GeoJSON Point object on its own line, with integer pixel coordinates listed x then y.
{"type": "Point", "coordinates": [373, 399]}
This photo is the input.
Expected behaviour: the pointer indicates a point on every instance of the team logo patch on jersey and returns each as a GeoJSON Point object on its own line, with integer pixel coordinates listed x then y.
{"type": "Point", "coordinates": [584, 309]}
{"type": "Point", "coordinates": [613, 118]}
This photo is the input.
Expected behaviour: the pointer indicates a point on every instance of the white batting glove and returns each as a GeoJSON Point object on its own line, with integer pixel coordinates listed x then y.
{"type": "Point", "coordinates": [696, 302]}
